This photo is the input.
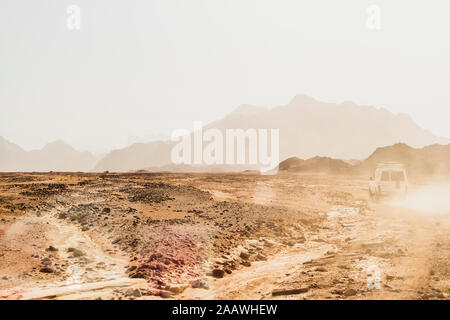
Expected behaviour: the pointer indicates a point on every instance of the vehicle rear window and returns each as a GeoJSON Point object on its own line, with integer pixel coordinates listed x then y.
{"type": "Point", "coordinates": [385, 176]}
{"type": "Point", "coordinates": [397, 176]}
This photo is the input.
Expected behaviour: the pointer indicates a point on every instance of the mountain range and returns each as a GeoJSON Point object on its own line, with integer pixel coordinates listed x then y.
{"type": "Point", "coordinates": [307, 128]}
{"type": "Point", "coordinates": [55, 156]}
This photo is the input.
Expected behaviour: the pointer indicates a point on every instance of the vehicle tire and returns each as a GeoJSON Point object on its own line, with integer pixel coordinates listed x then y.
{"type": "Point", "coordinates": [373, 196]}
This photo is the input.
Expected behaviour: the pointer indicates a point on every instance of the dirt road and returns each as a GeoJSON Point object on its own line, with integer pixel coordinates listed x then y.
{"type": "Point", "coordinates": [222, 236]}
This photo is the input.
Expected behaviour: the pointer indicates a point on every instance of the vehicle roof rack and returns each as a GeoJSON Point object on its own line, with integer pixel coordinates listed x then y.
{"type": "Point", "coordinates": [390, 165]}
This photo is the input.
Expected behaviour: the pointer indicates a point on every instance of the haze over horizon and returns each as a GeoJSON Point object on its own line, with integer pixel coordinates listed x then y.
{"type": "Point", "coordinates": [140, 69]}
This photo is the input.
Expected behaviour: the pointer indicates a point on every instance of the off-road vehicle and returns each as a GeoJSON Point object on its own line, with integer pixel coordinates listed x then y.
{"type": "Point", "coordinates": [390, 180]}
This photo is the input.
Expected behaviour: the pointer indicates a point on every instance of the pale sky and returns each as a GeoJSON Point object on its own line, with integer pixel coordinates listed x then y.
{"type": "Point", "coordinates": [140, 68]}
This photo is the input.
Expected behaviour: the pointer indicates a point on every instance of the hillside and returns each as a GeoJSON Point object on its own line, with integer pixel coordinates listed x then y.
{"type": "Point", "coordinates": [314, 165]}
{"type": "Point", "coordinates": [428, 161]}
{"type": "Point", "coordinates": [137, 156]}
{"type": "Point", "coordinates": [55, 156]}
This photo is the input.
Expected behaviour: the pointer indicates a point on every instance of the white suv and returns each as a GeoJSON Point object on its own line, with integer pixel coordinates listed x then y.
{"type": "Point", "coordinates": [390, 179]}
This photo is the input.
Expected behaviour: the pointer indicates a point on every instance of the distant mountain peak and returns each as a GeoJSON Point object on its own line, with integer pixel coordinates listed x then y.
{"type": "Point", "coordinates": [55, 156]}
{"type": "Point", "coordinates": [349, 104]}
{"type": "Point", "coordinates": [404, 116]}
{"type": "Point", "coordinates": [300, 99]}
{"type": "Point", "coordinates": [246, 109]}
{"type": "Point", "coordinates": [57, 145]}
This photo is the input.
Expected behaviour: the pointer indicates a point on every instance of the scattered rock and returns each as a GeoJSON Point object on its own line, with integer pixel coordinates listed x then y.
{"type": "Point", "coordinates": [343, 266]}
{"type": "Point", "coordinates": [133, 293]}
{"type": "Point", "coordinates": [244, 255]}
{"type": "Point", "coordinates": [62, 215]}
{"type": "Point", "coordinates": [176, 288]}
{"type": "Point", "coordinates": [165, 294]}
{"type": "Point", "coordinates": [51, 249]}
{"type": "Point", "coordinates": [261, 257]}
{"type": "Point", "coordinates": [321, 269]}
{"type": "Point", "coordinates": [46, 270]}
{"type": "Point", "coordinates": [132, 268]}
{"type": "Point", "coordinates": [290, 243]}
{"type": "Point", "coordinates": [285, 292]}
{"type": "Point", "coordinates": [199, 283]}
{"type": "Point", "coordinates": [349, 292]}
{"type": "Point", "coordinates": [106, 210]}
{"type": "Point", "coordinates": [137, 275]}
{"type": "Point", "coordinates": [75, 252]}
{"type": "Point", "coordinates": [218, 273]}
{"type": "Point", "coordinates": [246, 263]}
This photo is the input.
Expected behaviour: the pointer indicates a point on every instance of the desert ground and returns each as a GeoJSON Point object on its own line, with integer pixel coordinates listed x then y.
{"type": "Point", "coordinates": [217, 236]}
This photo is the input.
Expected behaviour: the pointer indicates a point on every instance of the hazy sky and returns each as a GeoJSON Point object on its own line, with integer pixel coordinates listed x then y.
{"type": "Point", "coordinates": [138, 68]}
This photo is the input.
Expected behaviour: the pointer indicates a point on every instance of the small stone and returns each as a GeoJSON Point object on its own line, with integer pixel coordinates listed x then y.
{"type": "Point", "coordinates": [75, 252]}
{"type": "Point", "coordinates": [284, 292]}
{"type": "Point", "coordinates": [218, 273]}
{"type": "Point", "coordinates": [246, 263]}
{"type": "Point", "coordinates": [137, 275]}
{"type": "Point", "coordinates": [62, 215]}
{"type": "Point", "coordinates": [165, 294]}
{"type": "Point", "coordinates": [349, 292]}
{"type": "Point", "coordinates": [261, 257]}
{"type": "Point", "coordinates": [132, 268]}
{"type": "Point", "coordinates": [176, 288]}
{"type": "Point", "coordinates": [199, 283]}
{"type": "Point", "coordinates": [321, 269]}
{"type": "Point", "coordinates": [133, 293]}
{"type": "Point", "coordinates": [338, 291]}
{"type": "Point", "coordinates": [244, 255]}
{"type": "Point", "coordinates": [46, 270]}
{"type": "Point", "coordinates": [51, 249]}
{"type": "Point", "coordinates": [46, 261]}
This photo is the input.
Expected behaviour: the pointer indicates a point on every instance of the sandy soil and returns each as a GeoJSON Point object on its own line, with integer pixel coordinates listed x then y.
{"type": "Point", "coordinates": [215, 236]}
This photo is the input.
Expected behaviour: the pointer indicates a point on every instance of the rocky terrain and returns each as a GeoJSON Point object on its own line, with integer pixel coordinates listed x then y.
{"type": "Point", "coordinates": [214, 236]}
